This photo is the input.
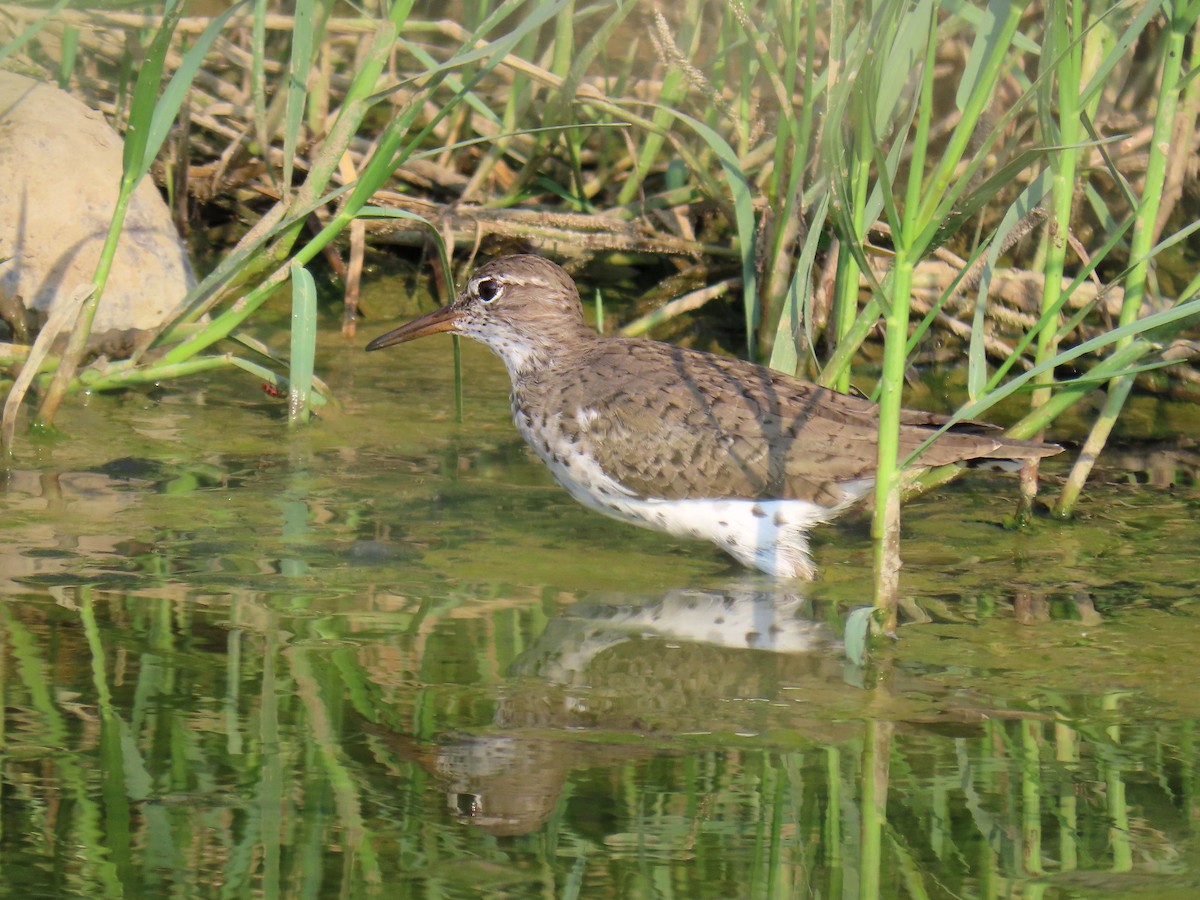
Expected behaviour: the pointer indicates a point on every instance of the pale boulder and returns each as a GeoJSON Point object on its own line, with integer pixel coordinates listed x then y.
{"type": "Point", "coordinates": [60, 170]}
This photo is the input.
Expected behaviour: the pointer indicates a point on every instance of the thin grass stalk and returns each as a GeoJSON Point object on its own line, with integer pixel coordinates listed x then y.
{"type": "Point", "coordinates": [831, 821]}
{"type": "Point", "coordinates": [790, 307]}
{"type": "Point", "coordinates": [70, 49]}
{"type": "Point", "coordinates": [739, 56]}
{"type": "Point", "coordinates": [1032, 738]}
{"type": "Point", "coordinates": [134, 166]}
{"type": "Point", "coordinates": [1184, 140]}
{"type": "Point", "coordinates": [573, 65]}
{"type": "Point", "coordinates": [499, 127]}
{"type": "Point", "coordinates": [1064, 43]}
{"type": "Point", "coordinates": [791, 146]}
{"type": "Point", "coordinates": [885, 522]}
{"type": "Point", "coordinates": [797, 309]}
{"type": "Point", "coordinates": [781, 185]}
{"type": "Point", "coordinates": [879, 109]}
{"type": "Point", "coordinates": [993, 43]}
{"type": "Point", "coordinates": [1123, 46]}
{"type": "Point", "coordinates": [920, 143]}
{"type": "Point", "coordinates": [62, 316]}
{"type": "Point", "coordinates": [272, 799]}
{"type": "Point", "coordinates": [855, 187]}
{"type": "Point", "coordinates": [1119, 832]}
{"type": "Point", "coordinates": [299, 68]}
{"type": "Point", "coordinates": [1183, 21]}
{"type": "Point", "coordinates": [737, 182]}
{"type": "Point", "coordinates": [1019, 220]}
{"type": "Point", "coordinates": [845, 301]}
{"type": "Point", "coordinates": [876, 768]}
{"type": "Point", "coordinates": [1067, 755]}
{"type": "Point", "coordinates": [564, 40]}
{"type": "Point", "coordinates": [518, 100]}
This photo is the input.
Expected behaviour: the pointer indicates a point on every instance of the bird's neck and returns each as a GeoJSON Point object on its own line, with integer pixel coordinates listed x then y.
{"type": "Point", "coordinates": [528, 353]}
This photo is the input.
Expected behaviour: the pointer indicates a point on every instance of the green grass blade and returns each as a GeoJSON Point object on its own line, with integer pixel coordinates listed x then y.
{"type": "Point", "coordinates": [973, 15]}
{"type": "Point", "coordinates": [31, 30]}
{"type": "Point", "coordinates": [166, 109]}
{"type": "Point", "coordinates": [297, 85]}
{"type": "Point", "coordinates": [500, 47]}
{"type": "Point", "coordinates": [366, 78]}
{"type": "Point", "coordinates": [145, 98]}
{"type": "Point", "coordinates": [304, 344]}
{"type": "Point", "coordinates": [1119, 53]}
{"type": "Point", "coordinates": [991, 43]}
{"type": "Point", "coordinates": [1048, 315]}
{"type": "Point", "coordinates": [70, 51]}
{"type": "Point", "coordinates": [204, 295]}
{"type": "Point", "coordinates": [976, 350]}
{"type": "Point", "coordinates": [905, 56]}
{"type": "Point", "coordinates": [379, 212]}
{"type": "Point", "coordinates": [479, 104]}
{"type": "Point", "coordinates": [988, 33]}
{"type": "Point", "coordinates": [797, 311]}
{"type": "Point", "coordinates": [742, 193]}
{"type": "Point", "coordinates": [1173, 318]}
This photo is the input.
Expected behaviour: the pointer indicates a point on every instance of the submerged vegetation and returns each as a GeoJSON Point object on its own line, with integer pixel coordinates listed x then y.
{"type": "Point", "coordinates": [880, 182]}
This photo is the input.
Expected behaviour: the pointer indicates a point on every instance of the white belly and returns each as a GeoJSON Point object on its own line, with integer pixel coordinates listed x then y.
{"type": "Point", "coordinates": [768, 535]}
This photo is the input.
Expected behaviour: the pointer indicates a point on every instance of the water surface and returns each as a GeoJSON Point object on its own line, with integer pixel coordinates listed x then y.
{"type": "Point", "coordinates": [385, 656]}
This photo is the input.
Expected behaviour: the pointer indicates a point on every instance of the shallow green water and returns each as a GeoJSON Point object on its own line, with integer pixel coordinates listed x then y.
{"type": "Point", "coordinates": [386, 656]}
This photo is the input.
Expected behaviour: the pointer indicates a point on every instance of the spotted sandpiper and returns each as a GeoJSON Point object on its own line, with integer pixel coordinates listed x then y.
{"type": "Point", "coordinates": [677, 440]}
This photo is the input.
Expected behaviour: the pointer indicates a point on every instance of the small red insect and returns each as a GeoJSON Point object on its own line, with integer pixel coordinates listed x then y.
{"type": "Point", "coordinates": [271, 391]}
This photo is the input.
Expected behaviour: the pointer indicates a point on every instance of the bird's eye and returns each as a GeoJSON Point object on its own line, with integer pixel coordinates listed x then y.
{"type": "Point", "coordinates": [487, 289]}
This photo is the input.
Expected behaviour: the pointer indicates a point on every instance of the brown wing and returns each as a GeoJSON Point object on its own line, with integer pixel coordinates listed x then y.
{"type": "Point", "coordinates": [674, 423]}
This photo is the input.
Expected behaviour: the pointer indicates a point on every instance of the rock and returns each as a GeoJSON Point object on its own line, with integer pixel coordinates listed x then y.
{"type": "Point", "coordinates": [60, 165]}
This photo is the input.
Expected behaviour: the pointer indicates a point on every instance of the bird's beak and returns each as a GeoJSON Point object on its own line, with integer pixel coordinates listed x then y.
{"type": "Point", "coordinates": [444, 319]}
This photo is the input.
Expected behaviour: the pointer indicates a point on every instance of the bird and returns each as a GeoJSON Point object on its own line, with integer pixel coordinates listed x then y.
{"type": "Point", "coordinates": [683, 441]}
